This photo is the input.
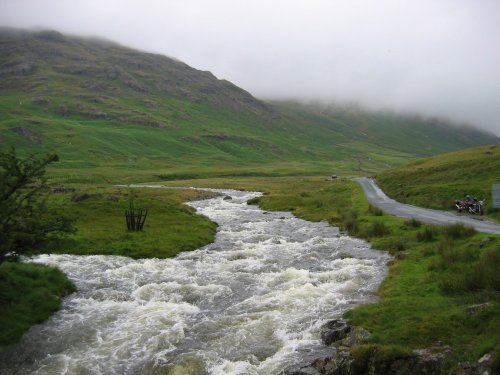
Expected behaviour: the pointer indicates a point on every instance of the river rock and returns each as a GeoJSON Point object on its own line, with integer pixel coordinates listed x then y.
{"type": "Point", "coordinates": [484, 366]}
{"type": "Point", "coordinates": [227, 198]}
{"type": "Point", "coordinates": [429, 360]}
{"type": "Point", "coordinates": [83, 196]}
{"type": "Point", "coordinates": [339, 363]}
{"type": "Point", "coordinates": [334, 330]}
{"type": "Point", "coordinates": [478, 308]}
{"type": "Point", "coordinates": [402, 255]}
{"type": "Point", "coordinates": [61, 189]}
{"type": "Point", "coordinates": [344, 337]}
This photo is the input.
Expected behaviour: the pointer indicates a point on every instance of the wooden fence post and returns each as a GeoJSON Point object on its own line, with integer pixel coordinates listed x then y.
{"type": "Point", "coordinates": [135, 219]}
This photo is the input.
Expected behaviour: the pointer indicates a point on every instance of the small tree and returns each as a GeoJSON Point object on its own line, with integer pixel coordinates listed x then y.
{"type": "Point", "coordinates": [26, 224]}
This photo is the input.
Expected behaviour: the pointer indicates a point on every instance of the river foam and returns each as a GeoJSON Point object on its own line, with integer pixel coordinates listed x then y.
{"type": "Point", "coordinates": [252, 302]}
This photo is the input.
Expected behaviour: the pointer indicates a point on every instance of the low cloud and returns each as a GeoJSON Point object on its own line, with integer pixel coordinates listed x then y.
{"type": "Point", "coordinates": [437, 58]}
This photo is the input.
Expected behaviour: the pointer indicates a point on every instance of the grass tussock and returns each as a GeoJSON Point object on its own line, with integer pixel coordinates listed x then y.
{"type": "Point", "coordinates": [375, 211]}
{"type": "Point", "coordinates": [413, 223]}
{"type": "Point", "coordinates": [459, 230]}
{"type": "Point", "coordinates": [427, 234]}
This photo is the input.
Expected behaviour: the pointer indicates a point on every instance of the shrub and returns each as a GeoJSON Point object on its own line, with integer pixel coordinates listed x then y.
{"type": "Point", "coordinates": [413, 223]}
{"type": "Point", "coordinates": [428, 251]}
{"type": "Point", "coordinates": [378, 229]}
{"type": "Point", "coordinates": [485, 274]}
{"type": "Point", "coordinates": [375, 211]}
{"type": "Point", "coordinates": [450, 255]}
{"type": "Point", "coordinates": [427, 234]}
{"type": "Point", "coordinates": [350, 221]}
{"type": "Point", "coordinates": [458, 230]}
{"type": "Point", "coordinates": [26, 224]}
{"type": "Point", "coordinates": [399, 244]}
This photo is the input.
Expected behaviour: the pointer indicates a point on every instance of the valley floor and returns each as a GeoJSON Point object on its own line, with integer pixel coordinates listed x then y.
{"type": "Point", "coordinates": [436, 275]}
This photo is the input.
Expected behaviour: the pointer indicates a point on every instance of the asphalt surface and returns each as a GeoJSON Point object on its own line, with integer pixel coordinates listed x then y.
{"type": "Point", "coordinates": [377, 198]}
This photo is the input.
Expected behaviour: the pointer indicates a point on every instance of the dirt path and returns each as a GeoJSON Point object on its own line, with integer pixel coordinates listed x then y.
{"type": "Point", "coordinates": [378, 198]}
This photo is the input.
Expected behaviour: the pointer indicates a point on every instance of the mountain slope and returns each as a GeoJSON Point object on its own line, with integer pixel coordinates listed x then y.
{"type": "Point", "coordinates": [101, 106]}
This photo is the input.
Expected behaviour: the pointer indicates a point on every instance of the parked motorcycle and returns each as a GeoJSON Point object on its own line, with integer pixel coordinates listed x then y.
{"type": "Point", "coordinates": [476, 207]}
{"type": "Point", "coordinates": [461, 206]}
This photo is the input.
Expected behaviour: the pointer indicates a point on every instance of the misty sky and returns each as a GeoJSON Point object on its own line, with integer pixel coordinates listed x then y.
{"type": "Point", "coordinates": [436, 57]}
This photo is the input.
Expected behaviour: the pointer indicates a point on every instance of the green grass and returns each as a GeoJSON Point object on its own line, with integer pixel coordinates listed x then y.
{"type": "Point", "coordinates": [424, 299]}
{"type": "Point", "coordinates": [436, 182]}
{"type": "Point", "coordinates": [115, 114]}
{"type": "Point", "coordinates": [137, 117]}
{"type": "Point", "coordinates": [170, 226]}
{"type": "Point", "coordinates": [29, 293]}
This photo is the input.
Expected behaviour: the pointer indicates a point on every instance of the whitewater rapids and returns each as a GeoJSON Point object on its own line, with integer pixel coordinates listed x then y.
{"type": "Point", "coordinates": [252, 302]}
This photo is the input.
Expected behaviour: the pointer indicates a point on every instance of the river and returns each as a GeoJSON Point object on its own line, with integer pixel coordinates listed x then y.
{"type": "Point", "coordinates": [252, 302]}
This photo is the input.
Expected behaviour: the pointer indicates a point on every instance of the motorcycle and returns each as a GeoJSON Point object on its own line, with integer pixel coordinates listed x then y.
{"type": "Point", "coordinates": [476, 207]}
{"type": "Point", "coordinates": [461, 206]}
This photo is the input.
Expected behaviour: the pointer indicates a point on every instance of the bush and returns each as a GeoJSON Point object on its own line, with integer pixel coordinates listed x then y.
{"type": "Point", "coordinates": [378, 229]}
{"type": "Point", "coordinates": [375, 211]}
{"type": "Point", "coordinates": [427, 234]}
{"type": "Point", "coordinates": [485, 274]}
{"type": "Point", "coordinates": [413, 223]}
{"type": "Point", "coordinates": [482, 275]}
{"type": "Point", "coordinates": [450, 255]}
{"type": "Point", "coordinates": [458, 230]}
{"type": "Point", "coordinates": [399, 244]}
{"type": "Point", "coordinates": [26, 225]}
{"type": "Point", "coordinates": [350, 222]}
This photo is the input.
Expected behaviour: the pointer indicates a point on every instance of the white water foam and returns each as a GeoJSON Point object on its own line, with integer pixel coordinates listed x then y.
{"type": "Point", "coordinates": [252, 302]}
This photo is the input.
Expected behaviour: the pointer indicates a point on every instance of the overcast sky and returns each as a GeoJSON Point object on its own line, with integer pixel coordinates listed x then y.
{"type": "Point", "coordinates": [436, 57]}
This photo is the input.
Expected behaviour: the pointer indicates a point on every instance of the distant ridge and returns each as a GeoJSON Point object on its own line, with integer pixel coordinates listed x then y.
{"type": "Point", "coordinates": [27, 53]}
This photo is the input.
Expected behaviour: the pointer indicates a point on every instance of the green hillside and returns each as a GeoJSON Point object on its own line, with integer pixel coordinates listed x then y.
{"type": "Point", "coordinates": [435, 182]}
{"type": "Point", "coordinates": [111, 112]}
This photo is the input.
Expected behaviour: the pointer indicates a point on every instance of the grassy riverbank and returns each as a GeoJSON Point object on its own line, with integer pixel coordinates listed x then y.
{"type": "Point", "coordinates": [437, 273]}
{"type": "Point", "coordinates": [29, 294]}
{"type": "Point", "coordinates": [170, 227]}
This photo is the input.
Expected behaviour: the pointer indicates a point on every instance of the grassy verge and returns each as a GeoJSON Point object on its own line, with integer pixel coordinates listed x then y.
{"type": "Point", "coordinates": [436, 182]}
{"type": "Point", "coordinates": [29, 293]}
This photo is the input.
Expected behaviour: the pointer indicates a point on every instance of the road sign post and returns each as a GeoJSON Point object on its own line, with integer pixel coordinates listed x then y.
{"type": "Point", "coordinates": [495, 195]}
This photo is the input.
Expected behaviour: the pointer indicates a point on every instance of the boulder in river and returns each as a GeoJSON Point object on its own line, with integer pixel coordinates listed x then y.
{"type": "Point", "coordinates": [334, 330]}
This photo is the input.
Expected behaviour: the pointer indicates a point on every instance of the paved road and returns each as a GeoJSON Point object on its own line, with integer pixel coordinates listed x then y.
{"type": "Point", "coordinates": [378, 198]}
